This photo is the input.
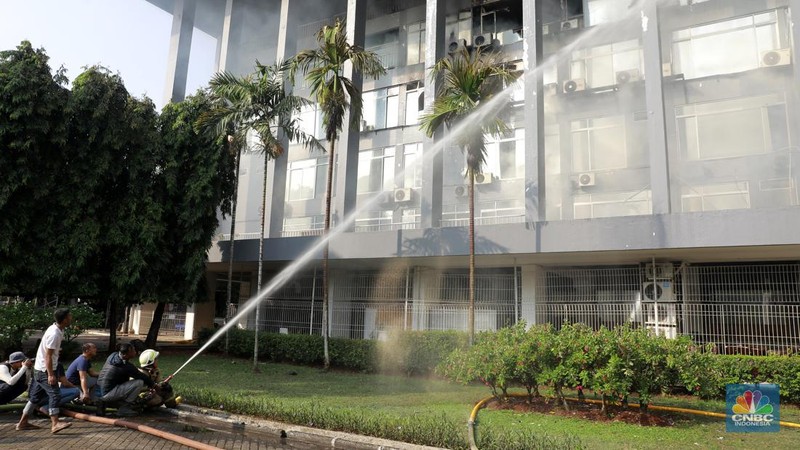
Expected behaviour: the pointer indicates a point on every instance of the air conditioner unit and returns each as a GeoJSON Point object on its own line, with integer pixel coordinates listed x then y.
{"type": "Point", "coordinates": [551, 89]}
{"type": "Point", "coordinates": [461, 191]}
{"type": "Point", "coordinates": [569, 25]}
{"type": "Point", "coordinates": [483, 178]}
{"type": "Point", "coordinates": [666, 69]}
{"type": "Point", "coordinates": [657, 291]}
{"type": "Point", "coordinates": [456, 45]}
{"type": "Point", "coordinates": [627, 76]}
{"type": "Point", "coordinates": [402, 195]}
{"type": "Point", "coordinates": [483, 40]}
{"type": "Point", "coordinates": [586, 179]}
{"type": "Point", "coordinates": [576, 85]}
{"type": "Point", "coordinates": [778, 57]}
{"type": "Point", "coordinates": [659, 271]}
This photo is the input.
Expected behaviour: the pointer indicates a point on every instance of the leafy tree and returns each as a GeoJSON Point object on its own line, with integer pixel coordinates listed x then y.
{"type": "Point", "coordinates": [470, 79]}
{"type": "Point", "coordinates": [568, 361]}
{"type": "Point", "coordinates": [324, 68]}
{"type": "Point", "coordinates": [259, 104]}
{"type": "Point", "coordinates": [194, 178]}
{"type": "Point", "coordinates": [531, 350]}
{"type": "Point", "coordinates": [32, 134]}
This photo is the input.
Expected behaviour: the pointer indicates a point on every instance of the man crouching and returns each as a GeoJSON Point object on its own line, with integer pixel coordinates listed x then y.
{"type": "Point", "coordinates": [162, 393]}
{"type": "Point", "coordinates": [120, 381]}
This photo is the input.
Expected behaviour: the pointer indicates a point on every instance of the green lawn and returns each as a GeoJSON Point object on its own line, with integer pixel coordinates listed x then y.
{"type": "Point", "coordinates": [299, 394]}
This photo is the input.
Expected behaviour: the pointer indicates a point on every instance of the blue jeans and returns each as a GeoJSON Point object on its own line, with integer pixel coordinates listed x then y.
{"type": "Point", "coordinates": [41, 391]}
{"type": "Point", "coordinates": [69, 394]}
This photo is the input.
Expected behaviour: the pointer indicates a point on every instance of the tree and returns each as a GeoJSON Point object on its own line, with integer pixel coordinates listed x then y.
{"type": "Point", "coordinates": [470, 79]}
{"type": "Point", "coordinates": [32, 135]}
{"type": "Point", "coordinates": [335, 94]}
{"type": "Point", "coordinates": [194, 178]}
{"type": "Point", "coordinates": [257, 104]}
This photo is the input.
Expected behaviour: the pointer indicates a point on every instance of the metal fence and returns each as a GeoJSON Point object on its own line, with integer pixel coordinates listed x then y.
{"type": "Point", "coordinates": [750, 309]}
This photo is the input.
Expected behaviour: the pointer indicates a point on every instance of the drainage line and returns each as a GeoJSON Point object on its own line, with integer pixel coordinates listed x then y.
{"type": "Point", "coordinates": [143, 428]}
{"type": "Point", "coordinates": [474, 415]}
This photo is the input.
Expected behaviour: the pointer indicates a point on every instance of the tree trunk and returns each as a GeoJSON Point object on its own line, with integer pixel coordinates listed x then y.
{"type": "Point", "coordinates": [260, 264]}
{"type": "Point", "coordinates": [328, 195]}
{"type": "Point", "coordinates": [471, 315]}
{"type": "Point", "coordinates": [155, 325]}
{"type": "Point", "coordinates": [112, 324]}
{"type": "Point", "coordinates": [231, 245]}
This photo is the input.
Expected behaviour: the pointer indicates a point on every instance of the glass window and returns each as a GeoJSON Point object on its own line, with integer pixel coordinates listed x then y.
{"type": "Point", "coordinates": [310, 121]}
{"type": "Point", "coordinates": [386, 45]}
{"type": "Point", "coordinates": [613, 204]}
{"type": "Point", "coordinates": [731, 128]}
{"type": "Point", "coordinates": [599, 65]}
{"type": "Point", "coordinates": [603, 11]}
{"type": "Point", "coordinates": [415, 103]}
{"type": "Point", "coordinates": [304, 176]}
{"type": "Point", "coordinates": [505, 156]}
{"type": "Point", "coordinates": [415, 45]}
{"type": "Point", "coordinates": [459, 26]}
{"type": "Point", "coordinates": [412, 167]}
{"type": "Point", "coordinates": [380, 108]}
{"type": "Point", "coordinates": [716, 197]}
{"type": "Point", "coordinates": [376, 170]}
{"type": "Point", "coordinates": [705, 50]}
{"type": "Point", "coordinates": [598, 144]}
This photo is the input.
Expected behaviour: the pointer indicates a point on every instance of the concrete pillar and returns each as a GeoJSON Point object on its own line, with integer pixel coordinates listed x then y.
{"type": "Point", "coordinates": [180, 46]}
{"type": "Point", "coordinates": [654, 94]}
{"type": "Point", "coordinates": [431, 192]}
{"type": "Point", "coordinates": [346, 162]}
{"type": "Point", "coordinates": [535, 191]}
{"type": "Point", "coordinates": [533, 284]}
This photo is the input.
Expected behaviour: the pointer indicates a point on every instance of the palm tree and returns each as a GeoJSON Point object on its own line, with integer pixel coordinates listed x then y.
{"type": "Point", "coordinates": [334, 93]}
{"type": "Point", "coordinates": [256, 104]}
{"type": "Point", "coordinates": [469, 79]}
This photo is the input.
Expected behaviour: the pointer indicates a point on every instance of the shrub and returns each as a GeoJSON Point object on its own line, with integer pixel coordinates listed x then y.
{"type": "Point", "coordinates": [418, 352]}
{"type": "Point", "coordinates": [15, 322]}
{"type": "Point", "coordinates": [781, 370]}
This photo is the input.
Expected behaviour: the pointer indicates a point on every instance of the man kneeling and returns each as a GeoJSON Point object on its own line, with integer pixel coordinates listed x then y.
{"type": "Point", "coordinates": [120, 381]}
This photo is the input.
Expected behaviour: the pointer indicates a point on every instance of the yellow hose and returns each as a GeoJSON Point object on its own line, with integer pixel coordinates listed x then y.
{"type": "Point", "coordinates": [473, 417]}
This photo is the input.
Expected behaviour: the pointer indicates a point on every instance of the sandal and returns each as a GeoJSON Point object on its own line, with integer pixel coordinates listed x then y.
{"type": "Point", "coordinates": [60, 426]}
{"type": "Point", "coordinates": [28, 426]}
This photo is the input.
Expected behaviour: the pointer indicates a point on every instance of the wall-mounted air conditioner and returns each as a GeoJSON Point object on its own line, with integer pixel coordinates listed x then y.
{"type": "Point", "coordinates": [456, 45]}
{"type": "Point", "coordinates": [483, 40]}
{"type": "Point", "coordinates": [777, 57]}
{"type": "Point", "coordinates": [659, 271]}
{"type": "Point", "coordinates": [576, 85]}
{"type": "Point", "coordinates": [483, 178]}
{"type": "Point", "coordinates": [568, 25]}
{"type": "Point", "coordinates": [657, 291]}
{"type": "Point", "coordinates": [461, 191]}
{"type": "Point", "coordinates": [628, 76]}
{"type": "Point", "coordinates": [586, 179]}
{"type": "Point", "coordinates": [402, 195]}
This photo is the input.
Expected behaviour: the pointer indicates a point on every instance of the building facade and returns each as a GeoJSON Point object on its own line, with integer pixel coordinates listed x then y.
{"type": "Point", "coordinates": [648, 176]}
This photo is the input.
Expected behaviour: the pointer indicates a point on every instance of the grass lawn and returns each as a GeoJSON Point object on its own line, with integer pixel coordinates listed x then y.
{"type": "Point", "coordinates": [304, 393]}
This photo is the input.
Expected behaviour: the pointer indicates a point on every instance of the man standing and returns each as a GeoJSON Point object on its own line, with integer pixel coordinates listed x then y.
{"type": "Point", "coordinates": [116, 383]}
{"type": "Point", "coordinates": [45, 380]}
{"type": "Point", "coordinates": [14, 376]}
{"type": "Point", "coordinates": [80, 373]}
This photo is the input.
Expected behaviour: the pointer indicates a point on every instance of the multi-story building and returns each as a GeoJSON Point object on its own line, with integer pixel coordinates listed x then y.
{"type": "Point", "coordinates": [650, 175]}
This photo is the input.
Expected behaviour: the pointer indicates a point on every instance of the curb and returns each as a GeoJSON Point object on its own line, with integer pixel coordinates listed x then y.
{"type": "Point", "coordinates": [298, 434]}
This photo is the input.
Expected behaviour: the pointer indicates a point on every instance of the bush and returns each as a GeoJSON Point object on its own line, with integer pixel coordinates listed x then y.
{"type": "Point", "coordinates": [781, 370]}
{"type": "Point", "coordinates": [418, 352]}
{"type": "Point", "coordinates": [16, 321]}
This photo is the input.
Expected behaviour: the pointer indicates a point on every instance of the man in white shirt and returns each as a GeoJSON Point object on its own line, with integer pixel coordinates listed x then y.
{"type": "Point", "coordinates": [14, 376]}
{"type": "Point", "coordinates": [45, 380]}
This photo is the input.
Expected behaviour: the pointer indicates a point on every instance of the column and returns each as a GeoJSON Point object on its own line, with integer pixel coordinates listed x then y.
{"type": "Point", "coordinates": [347, 148]}
{"type": "Point", "coordinates": [535, 192]}
{"type": "Point", "coordinates": [431, 192]}
{"type": "Point", "coordinates": [180, 45]}
{"type": "Point", "coordinates": [654, 95]}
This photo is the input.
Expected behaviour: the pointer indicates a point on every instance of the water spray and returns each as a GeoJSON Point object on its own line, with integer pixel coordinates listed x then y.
{"type": "Point", "coordinates": [479, 114]}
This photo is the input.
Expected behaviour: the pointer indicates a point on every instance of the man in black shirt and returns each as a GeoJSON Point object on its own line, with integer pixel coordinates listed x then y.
{"type": "Point", "coordinates": [121, 381]}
